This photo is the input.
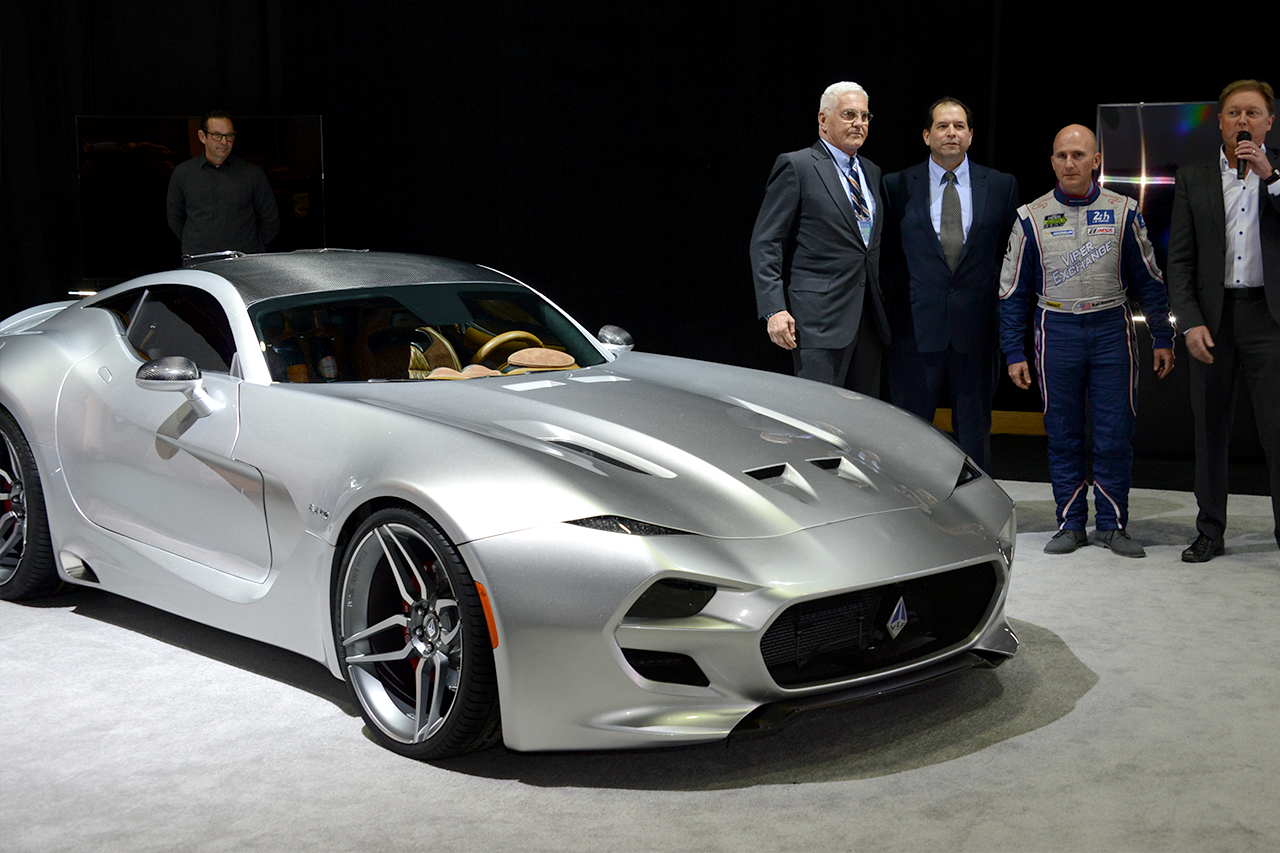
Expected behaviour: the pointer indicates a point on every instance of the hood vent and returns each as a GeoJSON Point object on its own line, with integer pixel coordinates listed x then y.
{"type": "Point", "coordinates": [785, 479]}
{"type": "Point", "coordinates": [844, 469]}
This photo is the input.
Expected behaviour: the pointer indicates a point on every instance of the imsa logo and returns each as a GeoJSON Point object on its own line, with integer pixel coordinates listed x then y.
{"type": "Point", "coordinates": [898, 620]}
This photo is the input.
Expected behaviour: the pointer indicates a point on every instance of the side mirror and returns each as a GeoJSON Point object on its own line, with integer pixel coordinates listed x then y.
{"type": "Point", "coordinates": [616, 340]}
{"type": "Point", "coordinates": [177, 373]}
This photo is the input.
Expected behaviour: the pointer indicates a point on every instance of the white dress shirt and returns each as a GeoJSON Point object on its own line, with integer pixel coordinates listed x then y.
{"type": "Point", "coordinates": [1244, 243]}
{"type": "Point", "coordinates": [842, 163]}
{"type": "Point", "coordinates": [938, 183]}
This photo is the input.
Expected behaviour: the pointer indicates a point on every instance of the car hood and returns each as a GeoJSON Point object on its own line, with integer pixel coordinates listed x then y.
{"type": "Point", "coordinates": [699, 447]}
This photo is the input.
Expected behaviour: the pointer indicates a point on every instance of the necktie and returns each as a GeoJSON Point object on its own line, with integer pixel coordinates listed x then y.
{"type": "Point", "coordinates": [855, 193]}
{"type": "Point", "coordinates": [952, 236]}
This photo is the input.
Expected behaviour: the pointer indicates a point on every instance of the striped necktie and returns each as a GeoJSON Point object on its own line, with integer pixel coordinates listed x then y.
{"type": "Point", "coordinates": [855, 193]}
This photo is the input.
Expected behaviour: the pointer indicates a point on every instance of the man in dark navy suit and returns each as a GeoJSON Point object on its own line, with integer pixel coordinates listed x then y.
{"type": "Point", "coordinates": [947, 222]}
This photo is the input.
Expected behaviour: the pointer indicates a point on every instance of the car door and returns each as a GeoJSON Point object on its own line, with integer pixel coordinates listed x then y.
{"type": "Point", "coordinates": [142, 463]}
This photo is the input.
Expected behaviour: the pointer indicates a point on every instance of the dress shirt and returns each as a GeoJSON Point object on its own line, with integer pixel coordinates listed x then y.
{"type": "Point", "coordinates": [938, 183]}
{"type": "Point", "coordinates": [219, 208]}
{"type": "Point", "coordinates": [1244, 243]}
{"type": "Point", "coordinates": [842, 163]}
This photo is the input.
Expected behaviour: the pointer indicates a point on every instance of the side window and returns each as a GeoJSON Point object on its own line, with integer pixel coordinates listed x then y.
{"type": "Point", "coordinates": [175, 319]}
{"type": "Point", "coordinates": [123, 307]}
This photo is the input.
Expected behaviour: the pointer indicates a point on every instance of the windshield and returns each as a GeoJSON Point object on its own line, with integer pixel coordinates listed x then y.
{"type": "Point", "coordinates": [412, 331]}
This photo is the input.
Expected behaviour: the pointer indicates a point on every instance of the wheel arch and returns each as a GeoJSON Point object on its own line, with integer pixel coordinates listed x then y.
{"type": "Point", "coordinates": [347, 531]}
{"type": "Point", "coordinates": [479, 715]}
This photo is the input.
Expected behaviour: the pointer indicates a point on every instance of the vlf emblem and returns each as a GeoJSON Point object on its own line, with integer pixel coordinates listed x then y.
{"type": "Point", "coordinates": [898, 620]}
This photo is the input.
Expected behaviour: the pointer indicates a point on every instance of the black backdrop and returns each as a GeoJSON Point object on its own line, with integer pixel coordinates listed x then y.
{"type": "Point", "coordinates": [611, 154]}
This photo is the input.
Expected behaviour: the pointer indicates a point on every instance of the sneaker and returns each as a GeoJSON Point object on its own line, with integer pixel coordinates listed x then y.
{"type": "Point", "coordinates": [1065, 541]}
{"type": "Point", "coordinates": [1202, 550]}
{"type": "Point", "coordinates": [1119, 542]}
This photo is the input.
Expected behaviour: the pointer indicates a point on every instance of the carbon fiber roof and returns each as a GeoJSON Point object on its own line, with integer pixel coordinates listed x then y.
{"type": "Point", "coordinates": [259, 277]}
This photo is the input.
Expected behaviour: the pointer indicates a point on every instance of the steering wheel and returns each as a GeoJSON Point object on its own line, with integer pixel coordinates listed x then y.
{"type": "Point", "coordinates": [506, 337]}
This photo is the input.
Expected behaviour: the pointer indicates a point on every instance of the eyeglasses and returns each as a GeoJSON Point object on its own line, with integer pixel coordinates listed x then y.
{"type": "Point", "coordinates": [219, 137]}
{"type": "Point", "coordinates": [853, 115]}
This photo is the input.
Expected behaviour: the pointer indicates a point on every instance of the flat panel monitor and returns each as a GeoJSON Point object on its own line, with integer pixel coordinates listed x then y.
{"type": "Point", "coordinates": [1142, 147]}
{"type": "Point", "coordinates": [125, 163]}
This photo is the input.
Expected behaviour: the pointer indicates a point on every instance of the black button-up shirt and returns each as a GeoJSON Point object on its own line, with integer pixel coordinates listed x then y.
{"type": "Point", "coordinates": [216, 208]}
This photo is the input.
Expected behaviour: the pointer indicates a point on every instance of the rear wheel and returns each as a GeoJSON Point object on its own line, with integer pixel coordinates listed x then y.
{"type": "Point", "coordinates": [26, 555]}
{"type": "Point", "coordinates": [413, 640]}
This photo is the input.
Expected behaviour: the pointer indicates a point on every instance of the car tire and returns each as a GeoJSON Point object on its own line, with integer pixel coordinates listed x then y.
{"type": "Point", "coordinates": [413, 640]}
{"type": "Point", "coordinates": [27, 569]}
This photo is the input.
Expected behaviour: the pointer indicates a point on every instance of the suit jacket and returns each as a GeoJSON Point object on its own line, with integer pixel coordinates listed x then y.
{"type": "Point", "coordinates": [930, 307]}
{"type": "Point", "coordinates": [1198, 245]}
{"type": "Point", "coordinates": [807, 253]}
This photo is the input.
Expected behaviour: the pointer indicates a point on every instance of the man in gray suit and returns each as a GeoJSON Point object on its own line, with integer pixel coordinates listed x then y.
{"type": "Point", "coordinates": [1224, 286]}
{"type": "Point", "coordinates": [815, 249]}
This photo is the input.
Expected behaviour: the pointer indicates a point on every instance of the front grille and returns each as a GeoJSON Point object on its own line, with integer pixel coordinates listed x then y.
{"type": "Point", "coordinates": [846, 635]}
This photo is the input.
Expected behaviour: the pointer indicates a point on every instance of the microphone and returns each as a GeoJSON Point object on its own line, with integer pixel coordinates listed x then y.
{"type": "Point", "coordinates": [1241, 166]}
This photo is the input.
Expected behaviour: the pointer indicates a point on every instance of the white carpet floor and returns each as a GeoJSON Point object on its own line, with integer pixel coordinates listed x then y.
{"type": "Point", "coordinates": [1140, 714]}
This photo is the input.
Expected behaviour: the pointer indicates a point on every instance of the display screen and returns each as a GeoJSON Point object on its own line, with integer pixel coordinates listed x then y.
{"type": "Point", "coordinates": [1142, 147]}
{"type": "Point", "coordinates": [125, 164]}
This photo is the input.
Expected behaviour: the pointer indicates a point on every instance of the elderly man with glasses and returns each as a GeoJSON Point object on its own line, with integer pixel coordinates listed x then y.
{"type": "Point", "coordinates": [218, 202]}
{"type": "Point", "coordinates": [815, 250]}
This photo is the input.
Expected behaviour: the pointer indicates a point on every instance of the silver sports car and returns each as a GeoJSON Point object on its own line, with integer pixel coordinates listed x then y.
{"type": "Point", "coordinates": [490, 523]}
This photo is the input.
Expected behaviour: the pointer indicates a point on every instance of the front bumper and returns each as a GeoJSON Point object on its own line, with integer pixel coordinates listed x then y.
{"type": "Point", "coordinates": [561, 596]}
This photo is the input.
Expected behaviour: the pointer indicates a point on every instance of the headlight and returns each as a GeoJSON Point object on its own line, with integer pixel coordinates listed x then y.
{"type": "Point", "coordinates": [968, 473]}
{"type": "Point", "coordinates": [618, 524]}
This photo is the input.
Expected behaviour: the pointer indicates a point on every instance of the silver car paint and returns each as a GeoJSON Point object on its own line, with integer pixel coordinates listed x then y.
{"type": "Point", "coordinates": [484, 458]}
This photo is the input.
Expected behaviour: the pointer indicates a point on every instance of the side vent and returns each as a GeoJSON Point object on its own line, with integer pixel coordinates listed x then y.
{"type": "Point", "coordinates": [669, 667]}
{"type": "Point", "coordinates": [600, 452]}
{"type": "Point", "coordinates": [598, 456]}
{"type": "Point", "coordinates": [77, 569]}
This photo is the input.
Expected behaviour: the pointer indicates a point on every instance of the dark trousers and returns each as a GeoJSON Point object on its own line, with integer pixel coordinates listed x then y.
{"type": "Point", "coordinates": [856, 366]}
{"type": "Point", "coordinates": [1248, 342]}
{"type": "Point", "coordinates": [916, 380]}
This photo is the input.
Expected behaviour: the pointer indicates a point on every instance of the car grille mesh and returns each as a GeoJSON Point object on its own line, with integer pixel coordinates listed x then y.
{"type": "Point", "coordinates": [847, 635]}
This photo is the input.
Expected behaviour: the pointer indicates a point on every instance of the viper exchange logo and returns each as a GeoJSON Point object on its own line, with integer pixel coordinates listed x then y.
{"type": "Point", "coordinates": [1079, 260]}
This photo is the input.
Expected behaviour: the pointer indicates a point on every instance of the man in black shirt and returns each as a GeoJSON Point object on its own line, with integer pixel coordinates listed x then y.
{"type": "Point", "coordinates": [218, 202]}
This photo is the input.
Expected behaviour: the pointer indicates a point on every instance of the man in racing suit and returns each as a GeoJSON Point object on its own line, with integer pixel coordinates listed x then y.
{"type": "Point", "coordinates": [1074, 253]}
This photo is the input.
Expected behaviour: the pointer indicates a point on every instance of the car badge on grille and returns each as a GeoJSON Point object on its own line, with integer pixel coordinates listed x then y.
{"type": "Point", "coordinates": [898, 620]}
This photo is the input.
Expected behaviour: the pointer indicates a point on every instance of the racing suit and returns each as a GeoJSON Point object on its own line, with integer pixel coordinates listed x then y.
{"type": "Point", "coordinates": [1075, 258]}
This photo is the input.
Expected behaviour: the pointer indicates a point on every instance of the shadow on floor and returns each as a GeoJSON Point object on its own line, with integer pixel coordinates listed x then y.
{"type": "Point", "coordinates": [892, 734]}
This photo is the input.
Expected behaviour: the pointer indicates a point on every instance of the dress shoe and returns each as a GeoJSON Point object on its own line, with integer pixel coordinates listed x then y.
{"type": "Point", "coordinates": [1065, 541]}
{"type": "Point", "coordinates": [1202, 550]}
{"type": "Point", "coordinates": [1119, 542]}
